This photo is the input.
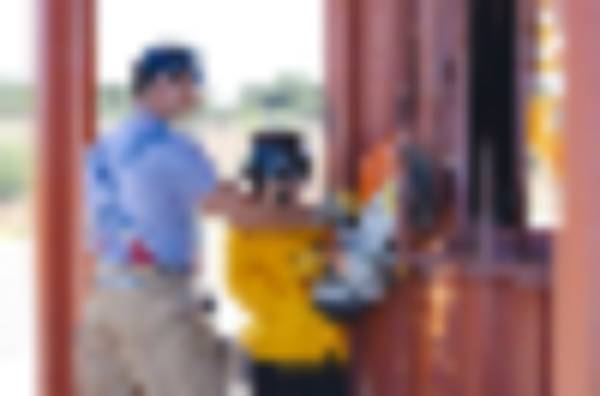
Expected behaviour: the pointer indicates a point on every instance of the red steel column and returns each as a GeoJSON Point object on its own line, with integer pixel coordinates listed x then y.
{"type": "Point", "coordinates": [65, 116]}
{"type": "Point", "coordinates": [84, 112]}
{"type": "Point", "coordinates": [577, 269]}
{"type": "Point", "coordinates": [343, 92]}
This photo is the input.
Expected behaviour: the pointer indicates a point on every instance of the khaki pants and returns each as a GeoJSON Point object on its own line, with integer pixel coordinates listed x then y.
{"type": "Point", "coordinates": [147, 341]}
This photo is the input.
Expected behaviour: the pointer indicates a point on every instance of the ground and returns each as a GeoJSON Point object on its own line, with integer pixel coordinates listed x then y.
{"type": "Point", "coordinates": [17, 317]}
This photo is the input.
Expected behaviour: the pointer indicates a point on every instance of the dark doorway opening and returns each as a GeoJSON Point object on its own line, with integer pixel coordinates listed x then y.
{"type": "Point", "coordinates": [493, 143]}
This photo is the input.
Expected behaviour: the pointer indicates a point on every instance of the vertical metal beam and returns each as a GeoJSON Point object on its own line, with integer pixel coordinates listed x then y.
{"type": "Point", "coordinates": [343, 86]}
{"type": "Point", "coordinates": [577, 269]}
{"type": "Point", "coordinates": [66, 115]}
{"type": "Point", "coordinates": [84, 118]}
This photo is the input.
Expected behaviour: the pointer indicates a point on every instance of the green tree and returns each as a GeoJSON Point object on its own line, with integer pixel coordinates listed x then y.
{"type": "Point", "coordinates": [14, 172]}
{"type": "Point", "coordinates": [16, 100]}
{"type": "Point", "coordinates": [291, 94]}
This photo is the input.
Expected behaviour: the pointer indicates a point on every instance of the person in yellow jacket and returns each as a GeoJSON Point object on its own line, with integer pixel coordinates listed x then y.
{"type": "Point", "coordinates": [276, 254]}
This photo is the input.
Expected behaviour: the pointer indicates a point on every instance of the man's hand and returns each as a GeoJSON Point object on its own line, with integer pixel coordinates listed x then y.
{"type": "Point", "coordinates": [223, 200]}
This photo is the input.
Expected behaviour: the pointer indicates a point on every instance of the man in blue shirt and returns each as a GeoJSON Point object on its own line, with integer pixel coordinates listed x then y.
{"type": "Point", "coordinates": [144, 183]}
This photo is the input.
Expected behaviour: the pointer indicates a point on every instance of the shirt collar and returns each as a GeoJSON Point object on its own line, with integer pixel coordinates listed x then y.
{"type": "Point", "coordinates": [149, 119]}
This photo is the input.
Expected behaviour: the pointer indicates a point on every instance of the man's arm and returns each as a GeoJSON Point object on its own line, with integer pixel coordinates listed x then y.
{"type": "Point", "coordinates": [250, 214]}
{"type": "Point", "coordinates": [228, 201]}
{"type": "Point", "coordinates": [225, 199]}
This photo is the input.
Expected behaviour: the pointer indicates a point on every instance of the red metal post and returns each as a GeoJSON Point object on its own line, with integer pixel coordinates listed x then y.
{"type": "Point", "coordinates": [84, 109]}
{"type": "Point", "coordinates": [65, 116]}
{"type": "Point", "coordinates": [343, 92]}
{"type": "Point", "coordinates": [577, 269]}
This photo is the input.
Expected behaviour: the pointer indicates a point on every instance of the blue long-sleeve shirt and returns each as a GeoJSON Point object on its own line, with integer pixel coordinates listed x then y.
{"type": "Point", "coordinates": [143, 184]}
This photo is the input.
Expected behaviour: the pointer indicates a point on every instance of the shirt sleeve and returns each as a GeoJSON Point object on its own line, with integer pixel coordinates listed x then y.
{"type": "Point", "coordinates": [198, 177]}
{"type": "Point", "coordinates": [99, 189]}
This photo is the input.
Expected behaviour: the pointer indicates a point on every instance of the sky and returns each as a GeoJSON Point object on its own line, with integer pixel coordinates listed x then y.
{"type": "Point", "coordinates": [242, 40]}
{"type": "Point", "coordinates": [16, 40]}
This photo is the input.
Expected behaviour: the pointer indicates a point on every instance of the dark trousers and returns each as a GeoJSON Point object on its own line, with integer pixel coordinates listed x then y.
{"type": "Point", "coordinates": [274, 380]}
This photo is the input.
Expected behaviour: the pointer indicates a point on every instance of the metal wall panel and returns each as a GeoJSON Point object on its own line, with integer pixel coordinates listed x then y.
{"type": "Point", "coordinates": [456, 327]}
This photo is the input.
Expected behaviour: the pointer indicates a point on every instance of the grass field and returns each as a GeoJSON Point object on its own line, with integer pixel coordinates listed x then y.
{"type": "Point", "coordinates": [16, 175]}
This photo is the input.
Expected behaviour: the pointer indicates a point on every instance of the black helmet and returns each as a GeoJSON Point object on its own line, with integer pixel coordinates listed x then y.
{"type": "Point", "coordinates": [277, 155]}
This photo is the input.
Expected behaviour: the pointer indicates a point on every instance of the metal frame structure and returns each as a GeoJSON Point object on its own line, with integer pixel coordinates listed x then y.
{"type": "Point", "coordinates": [66, 114]}
{"type": "Point", "coordinates": [499, 322]}
{"type": "Point", "coordinates": [400, 49]}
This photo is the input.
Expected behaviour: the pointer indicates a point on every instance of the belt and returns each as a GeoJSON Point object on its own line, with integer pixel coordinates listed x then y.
{"type": "Point", "coordinates": [127, 277]}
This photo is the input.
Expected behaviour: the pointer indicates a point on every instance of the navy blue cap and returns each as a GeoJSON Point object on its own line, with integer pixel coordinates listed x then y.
{"type": "Point", "coordinates": [169, 59]}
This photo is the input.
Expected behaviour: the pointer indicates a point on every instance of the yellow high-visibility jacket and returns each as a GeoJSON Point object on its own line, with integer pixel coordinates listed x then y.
{"type": "Point", "coordinates": [270, 274]}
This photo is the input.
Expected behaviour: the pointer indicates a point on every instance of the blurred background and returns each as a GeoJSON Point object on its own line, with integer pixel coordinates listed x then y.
{"type": "Point", "coordinates": [17, 123]}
